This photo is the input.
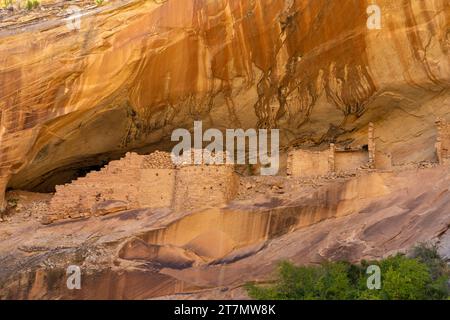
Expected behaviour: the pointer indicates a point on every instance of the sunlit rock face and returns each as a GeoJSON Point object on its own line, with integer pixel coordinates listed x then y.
{"type": "Point", "coordinates": [74, 99]}
{"type": "Point", "coordinates": [214, 252]}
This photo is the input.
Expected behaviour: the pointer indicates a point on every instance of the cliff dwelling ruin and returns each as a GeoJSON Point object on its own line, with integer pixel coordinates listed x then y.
{"type": "Point", "coordinates": [307, 163]}
{"type": "Point", "coordinates": [443, 141]}
{"type": "Point", "coordinates": [153, 181]}
{"type": "Point", "coordinates": [144, 181]}
{"type": "Point", "coordinates": [88, 95]}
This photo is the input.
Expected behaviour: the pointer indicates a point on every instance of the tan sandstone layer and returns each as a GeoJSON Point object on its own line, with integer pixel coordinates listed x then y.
{"type": "Point", "coordinates": [160, 253]}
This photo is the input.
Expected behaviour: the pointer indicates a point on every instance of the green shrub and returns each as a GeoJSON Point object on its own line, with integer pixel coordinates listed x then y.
{"type": "Point", "coordinates": [4, 4]}
{"type": "Point", "coordinates": [330, 281]}
{"type": "Point", "coordinates": [403, 279]}
{"type": "Point", "coordinates": [437, 267]}
{"type": "Point", "coordinates": [428, 254]}
{"type": "Point", "coordinates": [421, 277]}
{"type": "Point", "coordinates": [99, 2]}
{"type": "Point", "coordinates": [32, 4]}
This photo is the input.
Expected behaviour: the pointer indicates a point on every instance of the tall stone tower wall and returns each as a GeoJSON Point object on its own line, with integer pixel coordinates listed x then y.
{"type": "Point", "coordinates": [443, 141]}
{"type": "Point", "coordinates": [204, 186]}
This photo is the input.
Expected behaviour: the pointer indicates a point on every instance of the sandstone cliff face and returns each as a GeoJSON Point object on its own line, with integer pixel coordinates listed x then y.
{"type": "Point", "coordinates": [212, 253]}
{"type": "Point", "coordinates": [71, 99]}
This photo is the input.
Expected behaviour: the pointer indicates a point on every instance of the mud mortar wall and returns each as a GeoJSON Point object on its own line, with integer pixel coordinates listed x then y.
{"type": "Point", "coordinates": [204, 186]}
{"type": "Point", "coordinates": [304, 163]}
{"type": "Point", "coordinates": [350, 161]}
{"type": "Point", "coordinates": [443, 141]}
{"type": "Point", "coordinates": [136, 182]}
{"type": "Point", "coordinates": [156, 188]}
{"type": "Point", "coordinates": [118, 181]}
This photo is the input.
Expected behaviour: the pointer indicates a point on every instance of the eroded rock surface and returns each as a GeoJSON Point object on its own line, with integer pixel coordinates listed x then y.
{"type": "Point", "coordinates": [148, 253]}
{"type": "Point", "coordinates": [75, 99]}
{"type": "Point", "coordinates": [71, 100]}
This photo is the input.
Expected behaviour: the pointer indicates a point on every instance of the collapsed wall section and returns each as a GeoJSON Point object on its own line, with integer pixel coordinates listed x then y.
{"type": "Point", "coordinates": [150, 181]}
{"type": "Point", "coordinates": [118, 181]}
{"type": "Point", "coordinates": [134, 181]}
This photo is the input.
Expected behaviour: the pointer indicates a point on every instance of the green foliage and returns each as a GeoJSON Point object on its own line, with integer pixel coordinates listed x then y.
{"type": "Point", "coordinates": [428, 254]}
{"type": "Point", "coordinates": [327, 282]}
{"type": "Point", "coordinates": [4, 4]}
{"type": "Point", "coordinates": [403, 279]}
{"type": "Point", "coordinates": [437, 267]}
{"type": "Point", "coordinates": [99, 2]}
{"type": "Point", "coordinates": [32, 4]}
{"type": "Point", "coordinates": [421, 277]}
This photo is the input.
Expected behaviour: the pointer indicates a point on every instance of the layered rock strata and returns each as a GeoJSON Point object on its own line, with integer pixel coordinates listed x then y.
{"type": "Point", "coordinates": [72, 99]}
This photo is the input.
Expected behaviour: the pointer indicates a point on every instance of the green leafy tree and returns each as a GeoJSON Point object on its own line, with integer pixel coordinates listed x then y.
{"type": "Point", "coordinates": [420, 277]}
{"type": "Point", "coordinates": [328, 282]}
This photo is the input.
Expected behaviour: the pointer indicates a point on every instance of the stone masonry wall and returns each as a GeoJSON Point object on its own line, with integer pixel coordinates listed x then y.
{"type": "Point", "coordinates": [349, 161]}
{"type": "Point", "coordinates": [205, 186]}
{"type": "Point", "coordinates": [150, 181]}
{"type": "Point", "coordinates": [443, 141]}
{"type": "Point", "coordinates": [156, 188]}
{"type": "Point", "coordinates": [117, 181]}
{"type": "Point", "coordinates": [131, 182]}
{"type": "Point", "coordinates": [305, 163]}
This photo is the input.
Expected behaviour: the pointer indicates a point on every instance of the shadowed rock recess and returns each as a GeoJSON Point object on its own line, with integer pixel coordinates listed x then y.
{"type": "Point", "coordinates": [363, 117]}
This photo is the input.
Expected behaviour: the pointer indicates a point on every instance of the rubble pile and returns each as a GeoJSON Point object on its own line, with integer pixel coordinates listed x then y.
{"type": "Point", "coordinates": [158, 160]}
